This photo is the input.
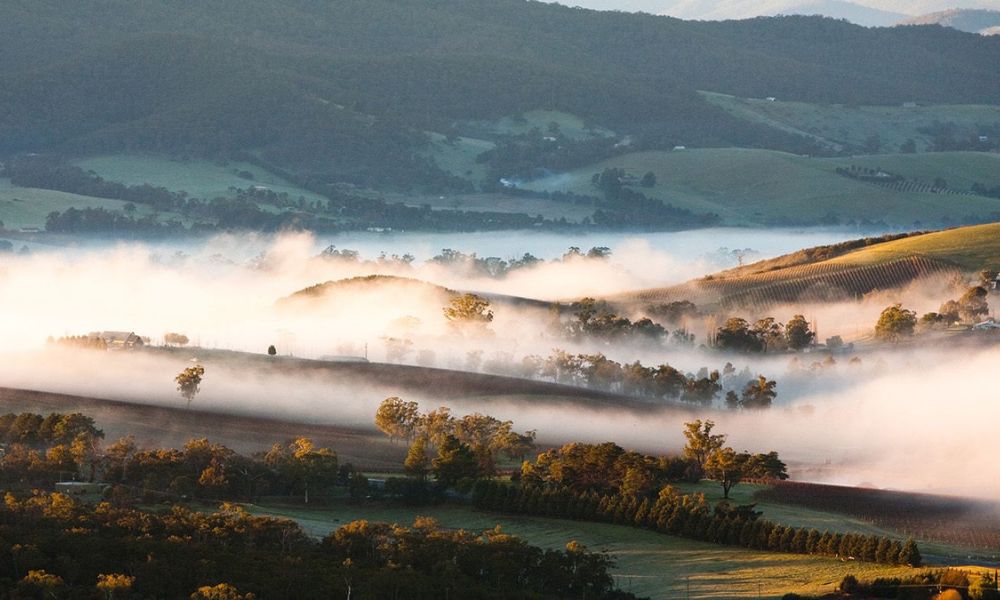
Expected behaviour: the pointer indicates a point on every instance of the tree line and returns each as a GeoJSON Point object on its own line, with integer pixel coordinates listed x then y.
{"type": "Point", "coordinates": [937, 584]}
{"type": "Point", "coordinates": [339, 211]}
{"type": "Point", "coordinates": [690, 516]}
{"type": "Point", "coordinates": [597, 371]}
{"type": "Point", "coordinates": [896, 322]}
{"type": "Point", "coordinates": [764, 335]}
{"type": "Point", "coordinates": [42, 450]}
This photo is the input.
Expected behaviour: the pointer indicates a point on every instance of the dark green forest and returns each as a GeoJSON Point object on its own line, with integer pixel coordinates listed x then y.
{"type": "Point", "coordinates": [346, 91]}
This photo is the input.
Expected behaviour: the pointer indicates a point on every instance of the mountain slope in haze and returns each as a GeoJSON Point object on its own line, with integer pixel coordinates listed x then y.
{"type": "Point", "coordinates": [854, 12]}
{"type": "Point", "coordinates": [849, 11]}
{"type": "Point", "coordinates": [870, 13]}
{"type": "Point", "coordinates": [347, 91]}
{"type": "Point", "coordinates": [984, 22]}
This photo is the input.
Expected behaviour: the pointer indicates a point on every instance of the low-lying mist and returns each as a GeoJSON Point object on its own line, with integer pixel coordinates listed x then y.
{"type": "Point", "coordinates": [916, 419]}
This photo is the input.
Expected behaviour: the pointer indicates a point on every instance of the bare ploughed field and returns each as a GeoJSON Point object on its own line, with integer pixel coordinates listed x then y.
{"type": "Point", "coordinates": [156, 426]}
{"type": "Point", "coordinates": [962, 522]}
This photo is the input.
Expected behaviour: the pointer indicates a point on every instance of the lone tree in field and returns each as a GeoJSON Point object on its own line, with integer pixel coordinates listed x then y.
{"type": "Point", "coordinates": [469, 312]}
{"type": "Point", "coordinates": [189, 382]}
{"type": "Point", "coordinates": [798, 334]}
{"type": "Point", "coordinates": [894, 323]}
{"type": "Point", "coordinates": [726, 467]}
{"type": "Point", "coordinates": [700, 441]}
{"type": "Point", "coordinates": [271, 350]}
{"type": "Point", "coordinates": [759, 393]}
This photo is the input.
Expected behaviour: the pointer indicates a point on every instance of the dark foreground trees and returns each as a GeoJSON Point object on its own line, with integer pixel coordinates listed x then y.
{"type": "Point", "coordinates": [65, 549]}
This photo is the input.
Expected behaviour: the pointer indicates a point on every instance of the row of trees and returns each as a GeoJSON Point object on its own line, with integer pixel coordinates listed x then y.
{"type": "Point", "coordinates": [68, 549]}
{"type": "Point", "coordinates": [593, 320]}
{"type": "Point", "coordinates": [470, 264]}
{"type": "Point", "coordinates": [896, 322]}
{"type": "Point", "coordinates": [690, 516]}
{"type": "Point", "coordinates": [945, 584]}
{"type": "Point", "coordinates": [44, 449]}
{"type": "Point", "coordinates": [597, 371]}
{"type": "Point", "coordinates": [609, 469]}
{"type": "Point", "coordinates": [970, 307]}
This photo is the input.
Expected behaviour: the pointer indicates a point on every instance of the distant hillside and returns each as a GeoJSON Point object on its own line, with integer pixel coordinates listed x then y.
{"type": "Point", "coordinates": [329, 289]}
{"type": "Point", "coordinates": [415, 291]}
{"type": "Point", "coordinates": [839, 272]}
{"type": "Point", "coordinates": [984, 22]}
{"type": "Point", "coordinates": [776, 188]}
{"type": "Point", "coordinates": [862, 12]}
{"type": "Point", "coordinates": [347, 91]}
{"type": "Point", "coordinates": [849, 11]}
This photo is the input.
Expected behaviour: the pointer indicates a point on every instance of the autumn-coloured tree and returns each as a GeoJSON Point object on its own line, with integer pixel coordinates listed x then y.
{"type": "Point", "coordinates": [112, 584]}
{"type": "Point", "coordinates": [701, 442]}
{"type": "Point", "coordinates": [469, 313]}
{"type": "Point", "coordinates": [416, 458]}
{"type": "Point", "coordinates": [189, 382]}
{"type": "Point", "coordinates": [397, 418]}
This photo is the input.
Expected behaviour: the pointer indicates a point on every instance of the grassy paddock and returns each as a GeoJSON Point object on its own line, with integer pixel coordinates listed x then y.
{"type": "Point", "coordinates": [851, 126]}
{"type": "Point", "coordinates": [649, 564]}
{"type": "Point", "coordinates": [199, 178]}
{"type": "Point", "coordinates": [28, 207]}
{"type": "Point", "coordinates": [764, 186]}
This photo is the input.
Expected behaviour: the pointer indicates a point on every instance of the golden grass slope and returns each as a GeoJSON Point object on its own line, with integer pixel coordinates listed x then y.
{"type": "Point", "coordinates": [839, 274]}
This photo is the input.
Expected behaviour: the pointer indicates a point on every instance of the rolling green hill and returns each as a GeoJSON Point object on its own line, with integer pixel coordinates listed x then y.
{"type": "Point", "coordinates": [23, 207]}
{"type": "Point", "coordinates": [199, 178]}
{"type": "Point", "coordinates": [852, 127]}
{"type": "Point", "coordinates": [768, 187]}
{"type": "Point", "coordinates": [347, 91]}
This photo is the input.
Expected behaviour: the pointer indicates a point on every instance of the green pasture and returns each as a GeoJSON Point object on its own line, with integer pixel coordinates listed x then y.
{"type": "Point", "coordinates": [748, 186]}
{"type": "Point", "coordinates": [199, 178]}
{"type": "Point", "coordinates": [648, 564]}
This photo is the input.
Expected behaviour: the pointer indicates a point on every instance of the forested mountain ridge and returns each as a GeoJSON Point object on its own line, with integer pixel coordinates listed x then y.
{"type": "Point", "coordinates": [346, 90]}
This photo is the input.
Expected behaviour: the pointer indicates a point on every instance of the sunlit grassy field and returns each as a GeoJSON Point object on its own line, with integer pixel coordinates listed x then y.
{"type": "Point", "coordinates": [649, 564]}
{"type": "Point", "coordinates": [971, 248]}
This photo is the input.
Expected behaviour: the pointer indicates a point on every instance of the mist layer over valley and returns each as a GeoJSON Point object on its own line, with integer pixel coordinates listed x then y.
{"type": "Point", "coordinates": [866, 420]}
